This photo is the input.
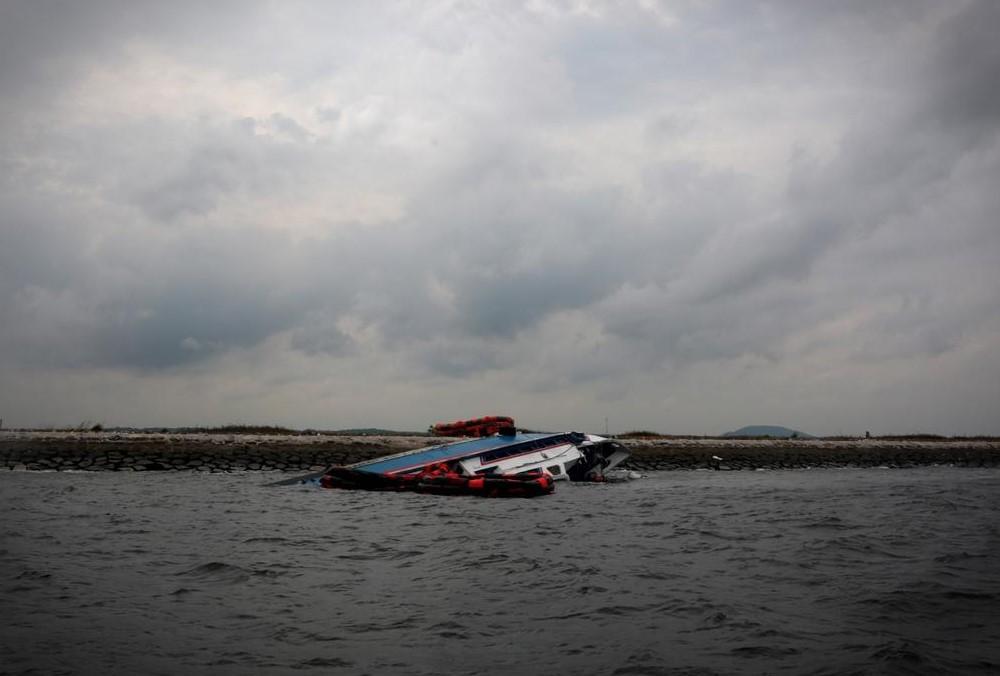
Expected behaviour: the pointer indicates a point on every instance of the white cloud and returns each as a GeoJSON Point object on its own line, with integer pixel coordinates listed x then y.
{"type": "Point", "coordinates": [682, 216]}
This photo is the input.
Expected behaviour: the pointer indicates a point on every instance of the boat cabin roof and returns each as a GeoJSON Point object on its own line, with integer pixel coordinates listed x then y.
{"type": "Point", "coordinates": [490, 448]}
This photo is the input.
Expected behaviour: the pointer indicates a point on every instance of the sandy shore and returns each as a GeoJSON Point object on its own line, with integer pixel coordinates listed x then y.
{"type": "Point", "coordinates": [147, 451]}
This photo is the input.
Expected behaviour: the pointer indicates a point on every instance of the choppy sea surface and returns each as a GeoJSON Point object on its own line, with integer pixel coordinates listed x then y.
{"type": "Point", "coordinates": [800, 572]}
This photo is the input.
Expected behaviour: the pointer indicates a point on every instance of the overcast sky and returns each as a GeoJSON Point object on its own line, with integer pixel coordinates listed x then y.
{"type": "Point", "coordinates": [680, 216]}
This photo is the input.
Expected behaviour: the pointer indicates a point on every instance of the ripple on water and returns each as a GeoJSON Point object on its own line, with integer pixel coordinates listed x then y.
{"type": "Point", "coordinates": [682, 573]}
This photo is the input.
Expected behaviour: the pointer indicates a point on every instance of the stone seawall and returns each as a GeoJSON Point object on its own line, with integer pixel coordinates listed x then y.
{"type": "Point", "coordinates": [804, 455]}
{"type": "Point", "coordinates": [138, 452]}
{"type": "Point", "coordinates": [205, 453]}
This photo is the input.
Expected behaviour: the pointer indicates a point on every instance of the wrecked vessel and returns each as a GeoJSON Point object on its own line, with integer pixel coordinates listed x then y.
{"type": "Point", "coordinates": [572, 456]}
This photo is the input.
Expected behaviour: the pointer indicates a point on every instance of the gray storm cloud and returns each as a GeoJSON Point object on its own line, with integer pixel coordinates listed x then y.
{"type": "Point", "coordinates": [684, 216]}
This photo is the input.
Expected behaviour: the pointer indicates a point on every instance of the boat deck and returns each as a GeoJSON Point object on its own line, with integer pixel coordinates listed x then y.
{"type": "Point", "coordinates": [486, 446]}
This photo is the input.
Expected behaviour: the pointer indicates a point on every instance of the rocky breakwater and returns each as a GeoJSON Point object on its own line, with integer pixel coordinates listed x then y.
{"type": "Point", "coordinates": [144, 451]}
{"type": "Point", "coordinates": [753, 454]}
{"type": "Point", "coordinates": [138, 452]}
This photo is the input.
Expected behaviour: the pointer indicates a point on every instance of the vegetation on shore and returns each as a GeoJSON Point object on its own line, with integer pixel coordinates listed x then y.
{"type": "Point", "coordinates": [646, 434]}
{"type": "Point", "coordinates": [252, 430]}
{"type": "Point", "coordinates": [639, 435]}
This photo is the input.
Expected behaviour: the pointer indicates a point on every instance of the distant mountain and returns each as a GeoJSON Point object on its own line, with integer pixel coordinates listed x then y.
{"type": "Point", "coordinates": [773, 431]}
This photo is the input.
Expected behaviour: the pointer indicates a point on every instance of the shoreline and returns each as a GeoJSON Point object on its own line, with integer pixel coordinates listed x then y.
{"type": "Point", "coordinates": [22, 450]}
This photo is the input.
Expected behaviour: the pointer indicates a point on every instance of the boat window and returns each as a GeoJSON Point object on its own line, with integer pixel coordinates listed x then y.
{"type": "Point", "coordinates": [531, 445]}
{"type": "Point", "coordinates": [555, 470]}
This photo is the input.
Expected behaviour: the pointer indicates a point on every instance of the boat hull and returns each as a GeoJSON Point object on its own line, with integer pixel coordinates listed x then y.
{"type": "Point", "coordinates": [570, 455]}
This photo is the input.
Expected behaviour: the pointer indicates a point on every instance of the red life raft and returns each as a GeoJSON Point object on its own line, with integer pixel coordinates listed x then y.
{"type": "Point", "coordinates": [475, 427]}
{"type": "Point", "coordinates": [440, 480]}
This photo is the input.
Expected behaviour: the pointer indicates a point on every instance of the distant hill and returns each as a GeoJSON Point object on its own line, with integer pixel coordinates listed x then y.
{"type": "Point", "coordinates": [773, 431]}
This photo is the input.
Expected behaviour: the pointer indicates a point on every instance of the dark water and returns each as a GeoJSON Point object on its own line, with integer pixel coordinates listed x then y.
{"type": "Point", "coordinates": [822, 572]}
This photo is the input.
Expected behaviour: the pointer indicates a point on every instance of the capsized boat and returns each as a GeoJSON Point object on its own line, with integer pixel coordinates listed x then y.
{"type": "Point", "coordinates": [565, 456]}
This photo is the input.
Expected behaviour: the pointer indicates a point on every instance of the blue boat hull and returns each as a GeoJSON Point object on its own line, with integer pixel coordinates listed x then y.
{"type": "Point", "coordinates": [508, 454]}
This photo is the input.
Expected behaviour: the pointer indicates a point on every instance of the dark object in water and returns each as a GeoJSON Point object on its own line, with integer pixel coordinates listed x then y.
{"type": "Point", "coordinates": [440, 480]}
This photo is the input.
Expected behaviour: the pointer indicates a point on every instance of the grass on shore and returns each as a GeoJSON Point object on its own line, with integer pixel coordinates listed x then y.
{"type": "Point", "coordinates": [279, 430]}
